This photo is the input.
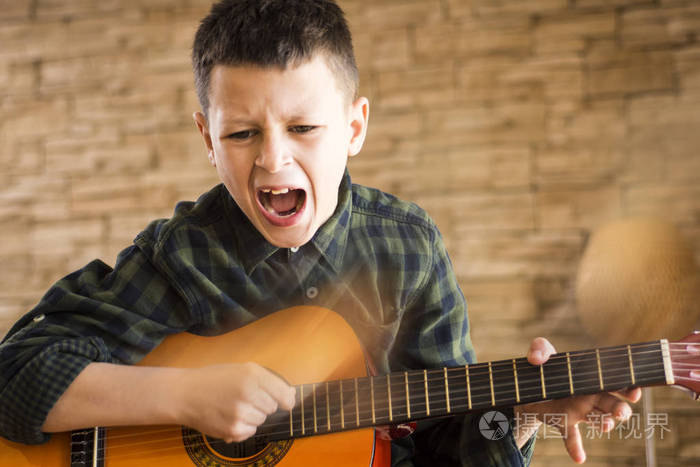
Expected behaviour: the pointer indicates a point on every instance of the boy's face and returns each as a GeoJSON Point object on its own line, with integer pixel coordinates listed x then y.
{"type": "Point", "coordinates": [280, 140]}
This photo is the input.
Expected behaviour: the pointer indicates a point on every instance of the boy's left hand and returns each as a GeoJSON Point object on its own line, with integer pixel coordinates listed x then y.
{"type": "Point", "coordinates": [607, 408]}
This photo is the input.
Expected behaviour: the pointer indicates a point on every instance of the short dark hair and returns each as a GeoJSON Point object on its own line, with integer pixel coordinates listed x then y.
{"type": "Point", "coordinates": [273, 33]}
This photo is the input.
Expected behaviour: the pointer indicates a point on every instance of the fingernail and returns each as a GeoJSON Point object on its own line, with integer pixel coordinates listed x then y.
{"type": "Point", "coordinates": [695, 374]}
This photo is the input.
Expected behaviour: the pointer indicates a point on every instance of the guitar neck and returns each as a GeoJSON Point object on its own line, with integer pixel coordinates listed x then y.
{"type": "Point", "coordinates": [400, 397]}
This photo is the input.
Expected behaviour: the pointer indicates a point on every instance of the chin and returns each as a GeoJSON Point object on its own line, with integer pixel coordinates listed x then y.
{"type": "Point", "coordinates": [288, 241]}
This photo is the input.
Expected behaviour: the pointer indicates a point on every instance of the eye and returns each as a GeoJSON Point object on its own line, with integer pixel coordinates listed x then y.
{"type": "Point", "coordinates": [242, 135]}
{"type": "Point", "coordinates": [302, 128]}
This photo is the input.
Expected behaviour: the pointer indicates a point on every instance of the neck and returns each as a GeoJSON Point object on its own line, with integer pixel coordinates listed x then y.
{"type": "Point", "coordinates": [419, 394]}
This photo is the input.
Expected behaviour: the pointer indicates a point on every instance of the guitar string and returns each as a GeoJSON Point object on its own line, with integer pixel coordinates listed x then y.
{"type": "Point", "coordinates": [677, 345]}
{"type": "Point", "coordinates": [473, 368]}
{"type": "Point", "coordinates": [417, 405]}
{"type": "Point", "coordinates": [477, 388]}
{"type": "Point", "coordinates": [364, 418]}
{"type": "Point", "coordinates": [364, 421]}
{"type": "Point", "coordinates": [440, 373]}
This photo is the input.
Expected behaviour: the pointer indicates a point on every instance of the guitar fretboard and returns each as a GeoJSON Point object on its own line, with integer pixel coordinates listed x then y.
{"type": "Point", "coordinates": [399, 397]}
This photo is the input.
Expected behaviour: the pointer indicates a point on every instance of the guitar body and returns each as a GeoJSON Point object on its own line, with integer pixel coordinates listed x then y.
{"type": "Point", "coordinates": [301, 344]}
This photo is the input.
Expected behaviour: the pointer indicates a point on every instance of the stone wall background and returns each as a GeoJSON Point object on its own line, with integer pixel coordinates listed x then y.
{"type": "Point", "coordinates": [521, 126]}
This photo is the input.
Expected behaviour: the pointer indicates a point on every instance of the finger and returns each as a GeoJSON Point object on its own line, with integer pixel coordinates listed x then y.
{"type": "Point", "coordinates": [240, 432]}
{"type": "Point", "coordinates": [610, 403]}
{"type": "Point", "coordinates": [264, 403]}
{"type": "Point", "coordinates": [574, 444]}
{"type": "Point", "coordinates": [540, 350]}
{"type": "Point", "coordinates": [277, 389]}
{"type": "Point", "coordinates": [630, 395]}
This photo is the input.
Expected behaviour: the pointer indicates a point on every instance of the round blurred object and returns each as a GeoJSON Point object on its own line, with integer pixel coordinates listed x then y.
{"type": "Point", "coordinates": [637, 281]}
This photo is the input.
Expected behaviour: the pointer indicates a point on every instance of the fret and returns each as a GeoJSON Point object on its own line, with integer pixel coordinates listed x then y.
{"type": "Point", "coordinates": [291, 423]}
{"type": "Point", "coordinates": [313, 392]}
{"type": "Point", "coordinates": [600, 370]}
{"type": "Point", "coordinates": [568, 369]}
{"type": "Point", "coordinates": [301, 397]}
{"type": "Point", "coordinates": [328, 408]}
{"type": "Point", "coordinates": [371, 391]}
{"type": "Point", "coordinates": [408, 398]}
{"type": "Point", "coordinates": [427, 401]}
{"type": "Point", "coordinates": [493, 396]}
{"type": "Point", "coordinates": [357, 404]}
{"type": "Point", "coordinates": [544, 389]}
{"type": "Point", "coordinates": [447, 390]}
{"type": "Point", "coordinates": [515, 378]}
{"type": "Point", "coordinates": [469, 387]}
{"type": "Point", "coordinates": [388, 393]}
{"type": "Point", "coordinates": [629, 356]}
{"type": "Point", "coordinates": [342, 407]}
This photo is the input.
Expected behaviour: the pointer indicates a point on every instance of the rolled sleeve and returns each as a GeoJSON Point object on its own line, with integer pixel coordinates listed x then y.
{"type": "Point", "coordinates": [96, 314]}
{"type": "Point", "coordinates": [32, 392]}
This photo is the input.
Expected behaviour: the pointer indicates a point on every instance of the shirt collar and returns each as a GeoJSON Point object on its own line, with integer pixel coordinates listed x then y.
{"type": "Point", "coordinates": [330, 240]}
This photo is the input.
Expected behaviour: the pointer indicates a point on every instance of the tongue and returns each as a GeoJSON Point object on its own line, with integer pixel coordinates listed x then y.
{"type": "Point", "coordinates": [284, 202]}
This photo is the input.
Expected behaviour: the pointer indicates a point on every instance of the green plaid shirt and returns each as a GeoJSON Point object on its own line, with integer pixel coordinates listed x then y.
{"type": "Point", "coordinates": [378, 261]}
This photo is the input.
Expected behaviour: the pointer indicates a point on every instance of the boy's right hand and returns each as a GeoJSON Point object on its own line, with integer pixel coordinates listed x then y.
{"type": "Point", "coordinates": [230, 401]}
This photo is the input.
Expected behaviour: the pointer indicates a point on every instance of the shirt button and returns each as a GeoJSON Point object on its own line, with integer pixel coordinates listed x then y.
{"type": "Point", "coordinates": [294, 249]}
{"type": "Point", "coordinates": [39, 318]}
{"type": "Point", "coordinates": [311, 293]}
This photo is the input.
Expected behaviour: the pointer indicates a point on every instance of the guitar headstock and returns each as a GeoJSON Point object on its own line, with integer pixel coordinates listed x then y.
{"type": "Point", "coordinates": [685, 361]}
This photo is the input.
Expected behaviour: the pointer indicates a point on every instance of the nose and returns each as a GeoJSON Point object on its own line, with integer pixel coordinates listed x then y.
{"type": "Point", "coordinates": [274, 153]}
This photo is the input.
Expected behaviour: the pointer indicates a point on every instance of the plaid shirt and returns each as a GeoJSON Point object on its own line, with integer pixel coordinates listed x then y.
{"type": "Point", "coordinates": [378, 261]}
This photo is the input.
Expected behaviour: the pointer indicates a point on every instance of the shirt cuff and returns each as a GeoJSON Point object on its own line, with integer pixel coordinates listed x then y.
{"type": "Point", "coordinates": [34, 390]}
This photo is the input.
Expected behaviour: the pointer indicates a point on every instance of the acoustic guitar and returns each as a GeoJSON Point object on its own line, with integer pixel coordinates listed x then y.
{"type": "Point", "coordinates": [333, 418]}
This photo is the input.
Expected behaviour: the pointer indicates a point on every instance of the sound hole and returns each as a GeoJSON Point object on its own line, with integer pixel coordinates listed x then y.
{"type": "Point", "coordinates": [206, 451]}
{"type": "Point", "coordinates": [247, 448]}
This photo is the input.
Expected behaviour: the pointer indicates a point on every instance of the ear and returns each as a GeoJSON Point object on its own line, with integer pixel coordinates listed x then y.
{"type": "Point", "coordinates": [359, 117]}
{"type": "Point", "coordinates": [201, 121]}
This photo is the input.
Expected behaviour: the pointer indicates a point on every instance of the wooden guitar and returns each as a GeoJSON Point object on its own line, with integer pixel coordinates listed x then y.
{"type": "Point", "coordinates": [314, 344]}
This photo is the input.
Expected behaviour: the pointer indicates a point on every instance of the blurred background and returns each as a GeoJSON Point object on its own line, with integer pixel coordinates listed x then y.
{"type": "Point", "coordinates": [521, 126]}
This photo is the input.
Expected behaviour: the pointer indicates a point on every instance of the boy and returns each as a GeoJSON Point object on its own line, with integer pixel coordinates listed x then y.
{"type": "Point", "coordinates": [277, 83]}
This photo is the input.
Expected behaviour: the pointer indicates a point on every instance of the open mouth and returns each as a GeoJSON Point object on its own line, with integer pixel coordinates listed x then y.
{"type": "Point", "coordinates": [283, 202]}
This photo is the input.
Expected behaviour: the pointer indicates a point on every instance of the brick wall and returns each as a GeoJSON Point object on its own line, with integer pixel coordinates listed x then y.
{"type": "Point", "coordinates": [520, 125]}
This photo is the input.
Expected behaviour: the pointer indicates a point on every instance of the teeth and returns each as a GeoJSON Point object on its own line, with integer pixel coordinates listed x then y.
{"type": "Point", "coordinates": [275, 192]}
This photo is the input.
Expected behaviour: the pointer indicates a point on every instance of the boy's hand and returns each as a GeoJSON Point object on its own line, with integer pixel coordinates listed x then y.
{"type": "Point", "coordinates": [230, 401]}
{"type": "Point", "coordinates": [608, 407]}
